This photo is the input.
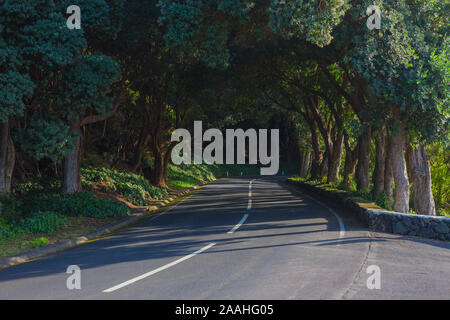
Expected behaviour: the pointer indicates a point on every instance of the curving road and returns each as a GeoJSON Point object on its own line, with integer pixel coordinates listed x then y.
{"type": "Point", "coordinates": [241, 238]}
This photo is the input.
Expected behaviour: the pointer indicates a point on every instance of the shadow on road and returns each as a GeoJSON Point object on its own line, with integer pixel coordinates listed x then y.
{"type": "Point", "coordinates": [206, 217]}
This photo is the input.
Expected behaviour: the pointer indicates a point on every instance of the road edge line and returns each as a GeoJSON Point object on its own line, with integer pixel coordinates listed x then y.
{"type": "Point", "coordinates": [334, 213]}
{"type": "Point", "coordinates": [162, 268]}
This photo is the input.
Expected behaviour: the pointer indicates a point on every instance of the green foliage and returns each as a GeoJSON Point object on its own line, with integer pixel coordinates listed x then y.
{"type": "Point", "coordinates": [382, 201]}
{"type": "Point", "coordinates": [45, 137]}
{"type": "Point", "coordinates": [47, 212]}
{"type": "Point", "coordinates": [403, 65]}
{"type": "Point", "coordinates": [39, 222]}
{"type": "Point", "coordinates": [52, 77]}
{"type": "Point", "coordinates": [135, 188]}
{"type": "Point", "coordinates": [445, 211]}
{"type": "Point", "coordinates": [365, 194]}
{"type": "Point", "coordinates": [298, 179]}
{"type": "Point", "coordinates": [440, 175]}
{"type": "Point", "coordinates": [15, 88]}
{"type": "Point", "coordinates": [184, 176]}
{"type": "Point", "coordinates": [85, 85]}
{"type": "Point", "coordinates": [207, 29]}
{"type": "Point", "coordinates": [83, 204]}
{"type": "Point", "coordinates": [40, 185]}
{"type": "Point", "coordinates": [39, 242]}
{"type": "Point", "coordinates": [48, 75]}
{"type": "Point", "coordinates": [5, 230]}
{"type": "Point", "coordinates": [11, 208]}
{"type": "Point", "coordinates": [35, 223]}
{"type": "Point", "coordinates": [33, 36]}
{"type": "Point", "coordinates": [310, 20]}
{"type": "Point", "coordinates": [136, 194]}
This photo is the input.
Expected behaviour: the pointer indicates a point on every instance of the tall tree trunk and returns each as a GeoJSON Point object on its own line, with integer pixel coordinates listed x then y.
{"type": "Point", "coordinates": [332, 141]}
{"type": "Point", "coordinates": [166, 164]}
{"type": "Point", "coordinates": [420, 177]}
{"type": "Point", "coordinates": [351, 157]}
{"type": "Point", "coordinates": [139, 150]}
{"type": "Point", "coordinates": [334, 164]}
{"type": "Point", "coordinates": [10, 162]}
{"type": "Point", "coordinates": [324, 166]}
{"type": "Point", "coordinates": [363, 166]}
{"type": "Point", "coordinates": [72, 176]}
{"type": "Point", "coordinates": [307, 169]}
{"type": "Point", "coordinates": [380, 161]}
{"type": "Point", "coordinates": [401, 200]}
{"type": "Point", "coordinates": [301, 163]}
{"type": "Point", "coordinates": [72, 162]}
{"type": "Point", "coordinates": [158, 173]}
{"type": "Point", "coordinates": [305, 163]}
{"type": "Point", "coordinates": [388, 172]}
{"type": "Point", "coordinates": [318, 156]}
{"type": "Point", "coordinates": [7, 158]}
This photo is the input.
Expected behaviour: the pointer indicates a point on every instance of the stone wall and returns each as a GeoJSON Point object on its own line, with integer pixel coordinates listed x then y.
{"type": "Point", "coordinates": [385, 221]}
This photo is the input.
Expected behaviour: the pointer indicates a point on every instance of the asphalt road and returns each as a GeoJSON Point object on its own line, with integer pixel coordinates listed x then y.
{"type": "Point", "coordinates": [241, 238]}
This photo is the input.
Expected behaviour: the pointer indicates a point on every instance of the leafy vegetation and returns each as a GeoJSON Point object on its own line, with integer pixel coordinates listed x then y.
{"type": "Point", "coordinates": [39, 242]}
{"type": "Point", "coordinates": [36, 223]}
{"type": "Point", "coordinates": [83, 204]}
{"type": "Point", "coordinates": [89, 113]}
{"type": "Point", "coordinates": [358, 195]}
{"type": "Point", "coordinates": [184, 176]}
{"type": "Point", "coordinates": [39, 222]}
{"type": "Point", "coordinates": [135, 188]}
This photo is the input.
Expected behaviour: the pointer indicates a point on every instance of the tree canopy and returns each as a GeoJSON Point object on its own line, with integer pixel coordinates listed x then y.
{"type": "Point", "coordinates": [363, 104]}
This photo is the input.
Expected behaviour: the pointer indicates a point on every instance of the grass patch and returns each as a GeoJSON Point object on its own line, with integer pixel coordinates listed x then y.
{"type": "Point", "coordinates": [39, 242]}
{"type": "Point", "coordinates": [83, 204]}
{"type": "Point", "coordinates": [74, 226]}
{"type": "Point", "coordinates": [364, 197]}
{"type": "Point", "coordinates": [185, 176]}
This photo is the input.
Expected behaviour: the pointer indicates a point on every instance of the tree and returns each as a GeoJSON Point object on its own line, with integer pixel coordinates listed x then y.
{"type": "Point", "coordinates": [419, 172]}
{"type": "Point", "coordinates": [397, 65]}
{"type": "Point", "coordinates": [85, 87]}
{"type": "Point", "coordinates": [36, 45]}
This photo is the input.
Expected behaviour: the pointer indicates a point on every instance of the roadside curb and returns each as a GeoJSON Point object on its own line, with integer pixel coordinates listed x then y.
{"type": "Point", "coordinates": [380, 220]}
{"type": "Point", "coordinates": [102, 232]}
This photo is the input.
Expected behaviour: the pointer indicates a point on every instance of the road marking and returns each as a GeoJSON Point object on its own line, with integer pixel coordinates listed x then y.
{"type": "Point", "coordinates": [338, 218]}
{"type": "Point", "coordinates": [239, 224]}
{"type": "Point", "coordinates": [249, 206]}
{"type": "Point", "coordinates": [148, 274]}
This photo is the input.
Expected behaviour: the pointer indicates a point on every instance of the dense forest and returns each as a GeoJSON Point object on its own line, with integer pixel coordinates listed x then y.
{"type": "Point", "coordinates": [358, 108]}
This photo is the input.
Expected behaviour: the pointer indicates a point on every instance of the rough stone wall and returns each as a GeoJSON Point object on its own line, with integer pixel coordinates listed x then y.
{"type": "Point", "coordinates": [386, 221]}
